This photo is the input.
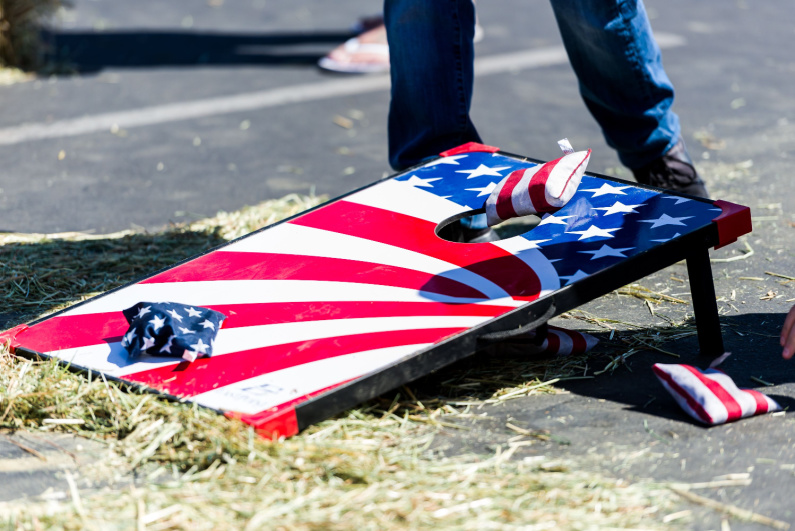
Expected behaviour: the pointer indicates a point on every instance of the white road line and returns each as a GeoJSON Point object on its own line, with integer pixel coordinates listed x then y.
{"type": "Point", "coordinates": [174, 112]}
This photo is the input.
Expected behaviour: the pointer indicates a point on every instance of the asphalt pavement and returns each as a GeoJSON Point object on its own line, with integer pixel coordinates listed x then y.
{"type": "Point", "coordinates": [165, 112]}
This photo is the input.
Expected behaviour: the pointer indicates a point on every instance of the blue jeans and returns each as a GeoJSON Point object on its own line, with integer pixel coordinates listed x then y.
{"type": "Point", "coordinates": [610, 47]}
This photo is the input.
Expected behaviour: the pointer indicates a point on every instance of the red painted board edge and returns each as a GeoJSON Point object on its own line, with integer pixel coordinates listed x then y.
{"type": "Point", "coordinates": [281, 423]}
{"type": "Point", "coordinates": [281, 420]}
{"type": "Point", "coordinates": [9, 337]}
{"type": "Point", "coordinates": [733, 222]}
{"type": "Point", "coordinates": [469, 147]}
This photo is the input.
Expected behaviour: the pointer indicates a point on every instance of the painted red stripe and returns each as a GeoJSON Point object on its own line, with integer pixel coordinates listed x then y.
{"type": "Point", "coordinates": [504, 204]}
{"type": "Point", "coordinates": [71, 331]}
{"type": "Point", "coordinates": [414, 234]}
{"type": "Point", "coordinates": [695, 406]}
{"type": "Point", "coordinates": [538, 185]}
{"type": "Point", "coordinates": [760, 399]}
{"type": "Point", "coordinates": [225, 265]}
{"type": "Point", "coordinates": [734, 409]}
{"type": "Point", "coordinates": [206, 374]}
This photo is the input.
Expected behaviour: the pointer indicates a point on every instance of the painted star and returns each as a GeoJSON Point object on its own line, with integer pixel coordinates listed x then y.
{"type": "Point", "coordinates": [606, 250]}
{"type": "Point", "coordinates": [422, 183]}
{"type": "Point", "coordinates": [679, 200]}
{"type": "Point", "coordinates": [667, 239]}
{"type": "Point", "coordinates": [143, 311]}
{"type": "Point", "coordinates": [486, 190]}
{"type": "Point", "coordinates": [186, 330]}
{"type": "Point", "coordinates": [157, 322]}
{"type": "Point", "coordinates": [484, 170]}
{"type": "Point", "coordinates": [575, 277]}
{"type": "Point", "coordinates": [620, 208]}
{"type": "Point", "coordinates": [149, 342]}
{"type": "Point", "coordinates": [552, 218]}
{"type": "Point", "coordinates": [446, 160]}
{"type": "Point", "coordinates": [167, 346]}
{"type": "Point", "coordinates": [607, 189]}
{"type": "Point", "coordinates": [200, 346]}
{"type": "Point", "coordinates": [664, 220]}
{"type": "Point", "coordinates": [594, 232]}
{"type": "Point", "coordinates": [207, 324]}
{"type": "Point", "coordinates": [193, 313]}
{"type": "Point", "coordinates": [175, 314]}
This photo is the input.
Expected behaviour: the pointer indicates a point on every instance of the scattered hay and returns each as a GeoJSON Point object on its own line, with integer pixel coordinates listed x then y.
{"type": "Point", "coordinates": [42, 273]}
{"type": "Point", "coordinates": [231, 225]}
{"type": "Point", "coordinates": [178, 465]}
{"type": "Point", "coordinates": [369, 469]}
{"type": "Point", "coordinates": [20, 25]}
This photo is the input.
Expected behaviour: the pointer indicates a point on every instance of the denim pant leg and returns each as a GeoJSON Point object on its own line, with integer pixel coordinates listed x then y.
{"type": "Point", "coordinates": [622, 81]}
{"type": "Point", "coordinates": [432, 56]}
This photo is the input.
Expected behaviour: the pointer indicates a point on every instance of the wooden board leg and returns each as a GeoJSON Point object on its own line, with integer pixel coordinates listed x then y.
{"type": "Point", "coordinates": [710, 339]}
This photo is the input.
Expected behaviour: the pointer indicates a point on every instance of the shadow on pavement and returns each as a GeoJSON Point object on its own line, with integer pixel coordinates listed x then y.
{"type": "Point", "coordinates": [751, 338]}
{"type": "Point", "coordinates": [756, 353]}
{"type": "Point", "coordinates": [90, 51]}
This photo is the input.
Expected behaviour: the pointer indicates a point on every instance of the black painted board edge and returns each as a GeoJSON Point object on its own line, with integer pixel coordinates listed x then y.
{"type": "Point", "coordinates": [465, 344]}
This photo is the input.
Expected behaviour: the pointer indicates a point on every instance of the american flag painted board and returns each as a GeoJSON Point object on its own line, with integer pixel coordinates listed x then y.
{"type": "Point", "coordinates": [360, 295]}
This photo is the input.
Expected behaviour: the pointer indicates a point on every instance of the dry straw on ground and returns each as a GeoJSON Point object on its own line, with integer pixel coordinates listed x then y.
{"type": "Point", "coordinates": [176, 466]}
{"type": "Point", "coordinates": [20, 25]}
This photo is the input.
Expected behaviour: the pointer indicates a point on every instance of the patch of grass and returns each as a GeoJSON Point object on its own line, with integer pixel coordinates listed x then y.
{"type": "Point", "coordinates": [178, 465]}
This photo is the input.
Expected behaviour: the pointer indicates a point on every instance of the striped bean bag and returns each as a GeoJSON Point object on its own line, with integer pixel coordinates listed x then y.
{"type": "Point", "coordinates": [537, 190]}
{"type": "Point", "coordinates": [711, 396]}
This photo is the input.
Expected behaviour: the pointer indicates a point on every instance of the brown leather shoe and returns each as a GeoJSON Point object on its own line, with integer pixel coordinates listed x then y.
{"type": "Point", "coordinates": [673, 171]}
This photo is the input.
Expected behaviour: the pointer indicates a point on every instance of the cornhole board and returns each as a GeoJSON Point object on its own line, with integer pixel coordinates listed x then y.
{"type": "Point", "coordinates": [360, 295]}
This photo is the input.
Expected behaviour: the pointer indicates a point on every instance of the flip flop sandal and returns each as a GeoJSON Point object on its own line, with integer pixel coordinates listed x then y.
{"type": "Point", "coordinates": [356, 57]}
{"type": "Point", "coordinates": [349, 58]}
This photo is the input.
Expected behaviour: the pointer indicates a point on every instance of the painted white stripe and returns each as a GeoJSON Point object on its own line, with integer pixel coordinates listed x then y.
{"type": "Point", "coordinates": [261, 291]}
{"type": "Point", "coordinates": [309, 241]}
{"type": "Point", "coordinates": [269, 390]}
{"type": "Point", "coordinates": [158, 114]}
{"type": "Point", "coordinates": [112, 359]}
{"type": "Point", "coordinates": [404, 198]}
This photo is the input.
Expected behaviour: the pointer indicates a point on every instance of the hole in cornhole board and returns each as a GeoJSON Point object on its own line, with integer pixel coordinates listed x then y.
{"type": "Point", "coordinates": [457, 229]}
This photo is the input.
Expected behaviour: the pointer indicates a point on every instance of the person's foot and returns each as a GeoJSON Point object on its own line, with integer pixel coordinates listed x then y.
{"type": "Point", "coordinates": [673, 171]}
{"type": "Point", "coordinates": [368, 53]}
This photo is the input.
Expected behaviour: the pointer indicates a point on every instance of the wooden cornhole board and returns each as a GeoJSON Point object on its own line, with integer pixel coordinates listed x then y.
{"type": "Point", "coordinates": [360, 295]}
